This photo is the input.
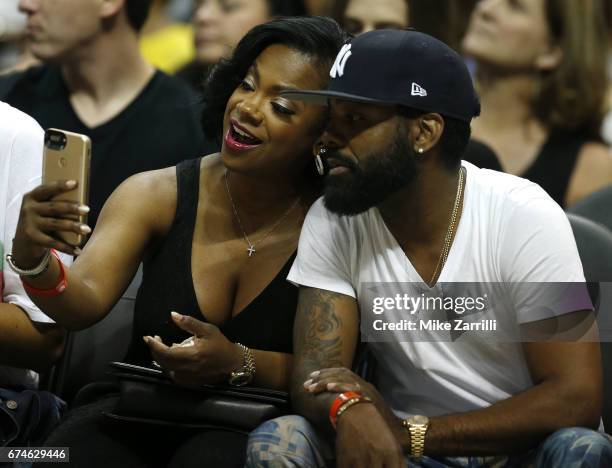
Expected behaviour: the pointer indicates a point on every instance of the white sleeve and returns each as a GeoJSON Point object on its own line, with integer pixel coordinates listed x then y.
{"type": "Point", "coordinates": [539, 258]}
{"type": "Point", "coordinates": [323, 256]}
{"type": "Point", "coordinates": [24, 174]}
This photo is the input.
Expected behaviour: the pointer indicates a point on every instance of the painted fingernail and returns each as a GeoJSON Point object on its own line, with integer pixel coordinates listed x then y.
{"type": "Point", "coordinates": [315, 373]}
{"type": "Point", "coordinates": [308, 383]}
{"type": "Point", "coordinates": [176, 315]}
{"type": "Point", "coordinates": [77, 251]}
{"type": "Point", "coordinates": [71, 183]}
{"type": "Point", "coordinates": [146, 339]}
{"type": "Point", "coordinates": [83, 209]}
{"type": "Point", "coordinates": [85, 229]}
{"type": "Point", "coordinates": [331, 385]}
{"type": "Point", "coordinates": [312, 387]}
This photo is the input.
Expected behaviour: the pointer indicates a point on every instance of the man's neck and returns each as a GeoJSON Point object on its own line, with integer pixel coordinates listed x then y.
{"type": "Point", "coordinates": [106, 77]}
{"type": "Point", "coordinates": [419, 215]}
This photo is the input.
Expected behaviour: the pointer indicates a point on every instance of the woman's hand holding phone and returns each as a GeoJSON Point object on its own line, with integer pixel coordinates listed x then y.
{"type": "Point", "coordinates": [41, 220]}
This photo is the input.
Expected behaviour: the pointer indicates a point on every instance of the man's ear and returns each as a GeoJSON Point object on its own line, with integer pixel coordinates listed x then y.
{"type": "Point", "coordinates": [550, 59]}
{"type": "Point", "coordinates": [110, 8]}
{"type": "Point", "coordinates": [426, 131]}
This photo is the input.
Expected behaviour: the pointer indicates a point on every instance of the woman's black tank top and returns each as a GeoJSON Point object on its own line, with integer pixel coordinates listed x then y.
{"type": "Point", "coordinates": [553, 167]}
{"type": "Point", "coordinates": [167, 285]}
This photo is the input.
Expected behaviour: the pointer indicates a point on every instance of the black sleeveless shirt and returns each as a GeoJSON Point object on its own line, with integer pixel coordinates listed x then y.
{"type": "Point", "coordinates": [554, 165]}
{"type": "Point", "coordinates": [167, 285]}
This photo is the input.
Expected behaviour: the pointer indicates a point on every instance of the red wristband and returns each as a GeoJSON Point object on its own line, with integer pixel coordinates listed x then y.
{"type": "Point", "coordinates": [60, 286]}
{"type": "Point", "coordinates": [338, 402]}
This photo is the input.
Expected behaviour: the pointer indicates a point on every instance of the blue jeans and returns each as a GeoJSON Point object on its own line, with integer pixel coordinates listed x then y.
{"type": "Point", "coordinates": [291, 441]}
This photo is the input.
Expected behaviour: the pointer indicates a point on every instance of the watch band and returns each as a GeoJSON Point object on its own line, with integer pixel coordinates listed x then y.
{"type": "Point", "coordinates": [37, 270]}
{"type": "Point", "coordinates": [245, 374]}
{"type": "Point", "coordinates": [417, 433]}
{"type": "Point", "coordinates": [249, 360]}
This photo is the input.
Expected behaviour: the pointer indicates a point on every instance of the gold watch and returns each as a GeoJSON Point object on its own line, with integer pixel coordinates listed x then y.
{"type": "Point", "coordinates": [417, 427]}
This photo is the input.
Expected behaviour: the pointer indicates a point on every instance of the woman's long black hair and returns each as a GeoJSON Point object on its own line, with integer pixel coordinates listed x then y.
{"type": "Point", "coordinates": [317, 37]}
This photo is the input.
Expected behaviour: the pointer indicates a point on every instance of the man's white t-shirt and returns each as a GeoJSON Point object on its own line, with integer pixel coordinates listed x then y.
{"type": "Point", "coordinates": [510, 231]}
{"type": "Point", "coordinates": [21, 147]}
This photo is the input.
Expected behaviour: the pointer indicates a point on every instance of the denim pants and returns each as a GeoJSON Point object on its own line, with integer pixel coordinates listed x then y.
{"type": "Point", "coordinates": [290, 441]}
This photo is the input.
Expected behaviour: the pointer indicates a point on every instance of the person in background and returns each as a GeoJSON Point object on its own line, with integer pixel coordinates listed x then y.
{"type": "Point", "coordinates": [30, 342]}
{"type": "Point", "coordinates": [543, 92]}
{"type": "Point", "coordinates": [319, 7]}
{"type": "Point", "coordinates": [217, 236]}
{"type": "Point", "coordinates": [13, 52]}
{"type": "Point", "coordinates": [446, 20]}
{"type": "Point", "coordinates": [220, 24]}
{"type": "Point", "coordinates": [95, 81]}
{"type": "Point", "coordinates": [360, 16]}
{"type": "Point", "coordinates": [165, 43]}
{"type": "Point", "coordinates": [607, 124]}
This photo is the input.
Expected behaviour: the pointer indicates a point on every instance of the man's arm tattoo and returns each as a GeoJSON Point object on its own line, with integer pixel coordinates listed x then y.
{"type": "Point", "coordinates": [317, 330]}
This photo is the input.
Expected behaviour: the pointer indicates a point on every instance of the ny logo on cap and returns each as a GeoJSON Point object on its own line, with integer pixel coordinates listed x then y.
{"type": "Point", "coordinates": [338, 68]}
{"type": "Point", "coordinates": [418, 90]}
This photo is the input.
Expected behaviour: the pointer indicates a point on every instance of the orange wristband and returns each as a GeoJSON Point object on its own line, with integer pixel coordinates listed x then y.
{"type": "Point", "coordinates": [338, 402]}
{"type": "Point", "coordinates": [56, 290]}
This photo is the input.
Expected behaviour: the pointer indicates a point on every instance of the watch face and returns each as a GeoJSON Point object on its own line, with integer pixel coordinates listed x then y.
{"type": "Point", "coordinates": [239, 379]}
{"type": "Point", "coordinates": [418, 420]}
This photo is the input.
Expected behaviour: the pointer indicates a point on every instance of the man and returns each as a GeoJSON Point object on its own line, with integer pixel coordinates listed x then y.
{"type": "Point", "coordinates": [400, 209]}
{"type": "Point", "coordinates": [95, 81]}
{"type": "Point", "coordinates": [30, 342]}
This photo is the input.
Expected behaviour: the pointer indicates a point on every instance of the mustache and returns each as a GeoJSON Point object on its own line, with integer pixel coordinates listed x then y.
{"type": "Point", "coordinates": [340, 158]}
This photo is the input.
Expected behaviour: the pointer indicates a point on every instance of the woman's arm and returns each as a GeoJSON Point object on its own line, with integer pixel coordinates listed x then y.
{"type": "Point", "coordinates": [593, 171]}
{"type": "Point", "coordinates": [139, 209]}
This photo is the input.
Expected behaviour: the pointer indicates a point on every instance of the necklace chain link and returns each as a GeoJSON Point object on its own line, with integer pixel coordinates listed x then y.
{"type": "Point", "coordinates": [451, 227]}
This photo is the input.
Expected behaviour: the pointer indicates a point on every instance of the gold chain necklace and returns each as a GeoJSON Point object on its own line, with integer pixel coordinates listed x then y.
{"type": "Point", "coordinates": [451, 227]}
{"type": "Point", "coordinates": [251, 249]}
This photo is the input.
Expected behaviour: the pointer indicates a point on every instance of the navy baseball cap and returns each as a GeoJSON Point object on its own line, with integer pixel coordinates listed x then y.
{"type": "Point", "coordinates": [399, 67]}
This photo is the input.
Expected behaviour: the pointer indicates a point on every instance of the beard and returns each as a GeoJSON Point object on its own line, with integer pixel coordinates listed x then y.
{"type": "Point", "coordinates": [380, 175]}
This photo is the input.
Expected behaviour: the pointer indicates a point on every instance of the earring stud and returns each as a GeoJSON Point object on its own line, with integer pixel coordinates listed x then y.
{"type": "Point", "coordinates": [420, 150]}
{"type": "Point", "coordinates": [319, 161]}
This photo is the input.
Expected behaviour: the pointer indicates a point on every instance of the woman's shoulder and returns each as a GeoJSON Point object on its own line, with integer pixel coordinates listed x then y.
{"type": "Point", "coordinates": [593, 171]}
{"type": "Point", "coordinates": [150, 195]}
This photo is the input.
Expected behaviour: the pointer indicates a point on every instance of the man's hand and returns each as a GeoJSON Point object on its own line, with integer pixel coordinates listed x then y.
{"type": "Point", "coordinates": [364, 440]}
{"type": "Point", "coordinates": [339, 380]}
{"type": "Point", "coordinates": [211, 359]}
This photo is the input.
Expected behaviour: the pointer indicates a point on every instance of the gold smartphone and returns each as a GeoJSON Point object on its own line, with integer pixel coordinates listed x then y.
{"type": "Point", "coordinates": [67, 156]}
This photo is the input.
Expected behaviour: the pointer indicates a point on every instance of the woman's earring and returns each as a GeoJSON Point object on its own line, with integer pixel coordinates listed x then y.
{"type": "Point", "coordinates": [420, 150]}
{"type": "Point", "coordinates": [319, 161]}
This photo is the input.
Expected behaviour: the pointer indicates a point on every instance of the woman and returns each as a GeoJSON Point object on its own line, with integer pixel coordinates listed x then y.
{"type": "Point", "coordinates": [217, 236]}
{"type": "Point", "coordinates": [219, 25]}
{"type": "Point", "coordinates": [542, 83]}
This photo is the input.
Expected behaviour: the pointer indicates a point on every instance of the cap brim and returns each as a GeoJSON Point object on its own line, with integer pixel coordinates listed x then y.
{"type": "Point", "coordinates": [321, 97]}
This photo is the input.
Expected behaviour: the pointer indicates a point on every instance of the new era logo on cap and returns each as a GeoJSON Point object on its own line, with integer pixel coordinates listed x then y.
{"type": "Point", "coordinates": [392, 67]}
{"type": "Point", "coordinates": [418, 90]}
{"type": "Point", "coordinates": [338, 68]}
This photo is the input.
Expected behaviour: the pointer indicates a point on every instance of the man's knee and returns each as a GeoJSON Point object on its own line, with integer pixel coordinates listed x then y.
{"type": "Point", "coordinates": [576, 447]}
{"type": "Point", "coordinates": [288, 441]}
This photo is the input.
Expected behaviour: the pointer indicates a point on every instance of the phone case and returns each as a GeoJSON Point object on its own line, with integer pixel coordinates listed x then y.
{"type": "Point", "coordinates": [67, 156]}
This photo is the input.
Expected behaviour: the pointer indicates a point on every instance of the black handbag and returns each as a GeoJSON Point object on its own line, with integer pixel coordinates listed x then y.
{"type": "Point", "coordinates": [148, 396]}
